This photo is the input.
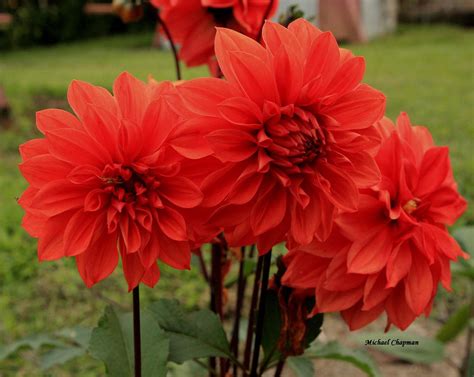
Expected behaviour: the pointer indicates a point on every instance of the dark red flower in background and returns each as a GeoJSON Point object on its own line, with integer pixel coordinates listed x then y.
{"type": "Point", "coordinates": [293, 128]}
{"type": "Point", "coordinates": [390, 255]}
{"type": "Point", "coordinates": [192, 23]}
{"type": "Point", "coordinates": [108, 182]}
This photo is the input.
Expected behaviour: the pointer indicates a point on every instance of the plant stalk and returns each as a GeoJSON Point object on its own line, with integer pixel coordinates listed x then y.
{"type": "Point", "coordinates": [136, 332]}
{"type": "Point", "coordinates": [251, 318]}
{"type": "Point", "coordinates": [267, 261]}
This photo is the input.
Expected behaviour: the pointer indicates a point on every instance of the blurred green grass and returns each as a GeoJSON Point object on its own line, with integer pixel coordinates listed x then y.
{"type": "Point", "coordinates": [424, 70]}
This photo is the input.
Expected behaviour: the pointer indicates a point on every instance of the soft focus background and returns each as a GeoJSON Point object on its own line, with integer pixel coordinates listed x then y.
{"type": "Point", "coordinates": [419, 52]}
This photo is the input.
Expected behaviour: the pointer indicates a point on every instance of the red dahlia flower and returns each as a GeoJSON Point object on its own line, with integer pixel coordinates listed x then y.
{"type": "Point", "coordinates": [107, 181]}
{"type": "Point", "coordinates": [293, 127]}
{"type": "Point", "coordinates": [391, 254]}
{"type": "Point", "coordinates": [192, 22]}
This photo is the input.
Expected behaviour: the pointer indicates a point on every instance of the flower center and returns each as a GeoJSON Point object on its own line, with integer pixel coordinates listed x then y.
{"type": "Point", "coordinates": [411, 206]}
{"type": "Point", "coordinates": [297, 140]}
{"type": "Point", "coordinates": [127, 185]}
{"type": "Point", "coordinates": [222, 16]}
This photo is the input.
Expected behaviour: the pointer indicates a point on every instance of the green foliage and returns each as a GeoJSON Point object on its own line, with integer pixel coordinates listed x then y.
{"type": "Point", "coordinates": [192, 335]}
{"type": "Point", "coordinates": [426, 352]}
{"type": "Point", "coordinates": [465, 237]}
{"type": "Point", "coordinates": [301, 366]}
{"type": "Point", "coordinates": [336, 351]}
{"type": "Point", "coordinates": [455, 324]}
{"type": "Point", "coordinates": [112, 342]}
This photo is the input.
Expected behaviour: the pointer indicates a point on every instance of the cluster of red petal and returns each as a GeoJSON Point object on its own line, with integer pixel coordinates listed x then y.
{"type": "Point", "coordinates": [294, 130]}
{"type": "Point", "coordinates": [192, 23]}
{"type": "Point", "coordinates": [108, 181]}
{"type": "Point", "coordinates": [390, 255]}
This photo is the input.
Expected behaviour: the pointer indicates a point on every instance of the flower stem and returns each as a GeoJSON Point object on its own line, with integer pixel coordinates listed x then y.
{"type": "Point", "coordinates": [267, 261]}
{"type": "Point", "coordinates": [173, 46]}
{"type": "Point", "coordinates": [241, 285]}
{"type": "Point", "coordinates": [251, 318]}
{"type": "Point", "coordinates": [280, 366]}
{"type": "Point", "coordinates": [136, 332]}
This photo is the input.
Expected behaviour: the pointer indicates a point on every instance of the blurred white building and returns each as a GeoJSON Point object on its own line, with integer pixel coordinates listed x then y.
{"type": "Point", "coordinates": [355, 20]}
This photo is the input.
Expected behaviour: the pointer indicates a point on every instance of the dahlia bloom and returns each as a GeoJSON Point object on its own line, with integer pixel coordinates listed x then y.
{"type": "Point", "coordinates": [293, 128]}
{"type": "Point", "coordinates": [390, 255]}
{"type": "Point", "coordinates": [107, 181]}
{"type": "Point", "coordinates": [192, 23]}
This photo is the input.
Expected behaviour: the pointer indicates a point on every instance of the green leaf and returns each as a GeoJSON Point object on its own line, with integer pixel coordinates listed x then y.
{"type": "Point", "coordinates": [192, 335]}
{"type": "Point", "coordinates": [59, 356]}
{"type": "Point", "coordinates": [335, 351]}
{"type": "Point", "coordinates": [454, 325]}
{"type": "Point", "coordinates": [465, 237]}
{"type": "Point", "coordinates": [78, 335]}
{"type": "Point", "coordinates": [33, 341]}
{"type": "Point", "coordinates": [271, 328]}
{"type": "Point", "coordinates": [301, 366]}
{"type": "Point", "coordinates": [112, 342]}
{"type": "Point", "coordinates": [427, 350]}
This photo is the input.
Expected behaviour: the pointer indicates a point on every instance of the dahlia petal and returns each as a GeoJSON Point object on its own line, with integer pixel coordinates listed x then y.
{"type": "Point", "coordinates": [269, 211]}
{"type": "Point", "coordinates": [131, 95]}
{"type": "Point", "coordinates": [323, 58]}
{"type": "Point", "coordinates": [418, 285]}
{"type": "Point", "coordinates": [276, 36]}
{"type": "Point", "coordinates": [99, 261]}
{"type": "Point", "coordinates": [102, 126]}
{"type": "Point", "coordinates": [357, 318]}
{"type": "Point", "coordinates": [288, 75]}
{"type": "Point", "coordinates": [245, 189]}
{"type": "Point", "coordinates": [81, 94]}
{"type": "Point", "coordinates": [358, 109]}
{"type": "Point", "coordinates": [446, 205]}
{"type": "Point", "coordinates": [232, 145]}
{"type": "Point", "coordinates": [85, 174]}
{"type": "Point", "coordinates": [197, 46]}
{"type": "Point", "coordinates": [375, 291]}
{"type": "Point", "coordinates": [337, 277]}
{"type": "Point", "coordinates": [59, 196]}
{"type": "Point", "coordinates": [371, 255]}
{"type": "Point", "coordinates": [253, 77]}
{"type": "Point", "coordinates": [152, 275]}
{"type": "Point", "coordinates": [132, 269]}
{"type": "Point", "coordinates": [229, 40]}
{"type": "Point", "coordinates": [33, 224]}
{"type": "Point", "coordinates": [398, 312]}
{"type": "Point", "coordinates": [80, 230]}
{"type": "Point", "coordinates": [51, 243]}
{"type": "Point", "coordinates": [304, 31]}
{"type": "Point", "coordinates": [203, 95]}
{"type": "Point", "coordinates": [33, 148]}
{"type": "Point", "coordinates": [181, 191]}
{"type": "Point", "coordinates": [41, 169]}
{"type": "Point", "coordinates": [330, 301]}
{"type": "Point", "coordinates": [399, 264]}
{"type": "Point", "coordinates": [304, 271]}
{"type": "Point", "coordinates": [218, 184]}
{"type": "Point", "coordinates": [172, 224]}
{"type": "Point", "coordinates": [365, 171]}
{"type": "Point", "coordinates": [241, 111]}
{"type": "Point", "coordinates": [341, 191]}
{"type": "Point", "coordinates": [52, 119]}
{"type": "Point", "coordinates": [326, 213]}
{"type": "Point", "coordinates": [305, 221]}
{"type": "Point", "coordinates": [130, 234]}
{"type": "Point", "coordinates": [159, 121]}
{"type": "Point", "coordinates": [176, 254]}
{"type": "Point", "coordinates": [433, 170]}
{"type": "Point", "coordinates": [76, 147]}
{"type": "Point", "coordinates": [347, 77]}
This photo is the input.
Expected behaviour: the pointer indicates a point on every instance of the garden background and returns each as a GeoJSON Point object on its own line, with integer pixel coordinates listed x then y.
{"type": "Point", "coordinates": [426, 69]}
